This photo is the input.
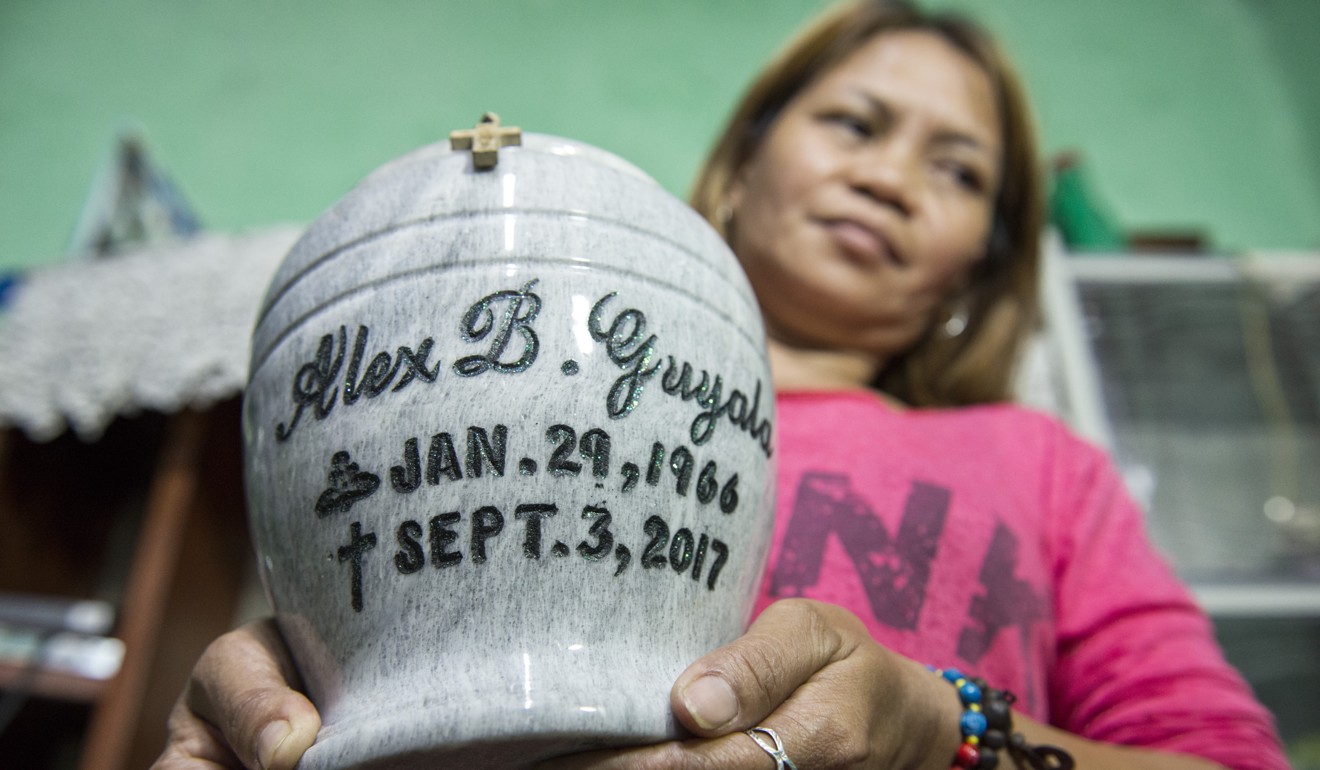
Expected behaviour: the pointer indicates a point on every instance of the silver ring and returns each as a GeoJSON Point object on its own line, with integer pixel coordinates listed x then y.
{"type": "Point", "coordinates": [775, 750]}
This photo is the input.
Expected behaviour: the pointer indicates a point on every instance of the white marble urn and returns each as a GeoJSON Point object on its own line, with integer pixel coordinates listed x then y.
{"type": "Point", "coordinates": [509, 441]}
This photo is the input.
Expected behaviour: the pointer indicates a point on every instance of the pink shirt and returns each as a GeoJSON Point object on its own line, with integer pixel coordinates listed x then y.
{"type": "Point", "coordinates": [993, 540]}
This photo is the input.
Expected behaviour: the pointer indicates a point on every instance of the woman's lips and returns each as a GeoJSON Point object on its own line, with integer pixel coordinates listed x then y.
{"type": "Point", "coordinates": [864, 244]}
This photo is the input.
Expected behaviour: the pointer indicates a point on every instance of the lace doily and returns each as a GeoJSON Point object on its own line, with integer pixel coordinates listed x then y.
{"type": "Point", "coordinates": [158, 329]}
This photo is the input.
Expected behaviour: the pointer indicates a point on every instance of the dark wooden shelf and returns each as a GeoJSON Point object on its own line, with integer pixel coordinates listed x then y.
{"type": "Point", "coordinates": [151, 518]}
{"type": "Point", "coordinates": [54, 685]}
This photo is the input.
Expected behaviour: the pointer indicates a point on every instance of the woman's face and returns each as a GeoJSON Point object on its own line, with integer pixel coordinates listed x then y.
{"type": "Point", "coordinates": [870, 197]}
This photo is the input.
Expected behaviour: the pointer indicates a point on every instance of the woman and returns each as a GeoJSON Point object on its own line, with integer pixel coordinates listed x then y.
{"type": "Point", "coordinates": [878, 185]}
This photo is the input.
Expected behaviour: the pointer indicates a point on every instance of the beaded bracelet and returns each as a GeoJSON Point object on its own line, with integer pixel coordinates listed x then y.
{"type": "Point", "coordinates": [987, 729]}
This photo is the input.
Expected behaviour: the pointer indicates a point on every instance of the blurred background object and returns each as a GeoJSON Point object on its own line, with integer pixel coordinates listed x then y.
{"type": "Point", "coordinates": [1077, 211]}
{"type": "Point", "coordinates": [132, 202]}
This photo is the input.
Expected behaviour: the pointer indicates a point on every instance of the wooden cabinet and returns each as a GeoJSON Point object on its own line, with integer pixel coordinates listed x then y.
{"type": "Point", "coordinates": [151, 518]}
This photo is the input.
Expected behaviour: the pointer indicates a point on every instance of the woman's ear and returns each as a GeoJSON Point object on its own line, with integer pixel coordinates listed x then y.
{"type": "Point", "coordinates": [733, 194]}
{"type": "Point", "coordinates": [999, 244]}
{"type": "Point", "coordinates": [728, 206]}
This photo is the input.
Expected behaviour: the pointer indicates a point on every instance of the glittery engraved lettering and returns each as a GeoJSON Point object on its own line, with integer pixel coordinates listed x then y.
{"type": "Point", "coordinates": [721, 550]}
{"type": "Point", "coordinates": [707, 486]}
{"type": "Point", "coordinates": [626, 347]}
{"type": "Point", "coordinates": [356, 367]}
{"type": "Point", "coordinates": [442, 460]}
{"type": "Point", "coordinates": [357, 547]}
{"type": "Point", "coordinates": [656, 464]}
{"type": "Point", "coordinates": [623, 556]}
{"type": "Point", "coordinates": [532, 514]}
{"type": "Point", "coordinates": [410, 558]}
{"type": "Point", "coordinates": [699, 558]}
{"type": "Point", "coordinates": [565, 440]}
{"type": "Point", "coordinates": [679, 553]}
{"type": "Point", "coordinates": [654, 554]}
{"type": "Point", "coordinates": [443, 535]}
{"type": "Point", "coordinates": [595, 447]}
{"type": "Point", "coordinates": [486, 450]}
{"type": "Point", "coordinates": [747, 420]}
{"type": "Point", "coordinates": [407, 477]}
{"type": "Point", "coordinates": [729, 495]}
{"type": "Point", "coordinates": [680, 550]}
{"type": "Point", "coordinates": [630, 348]}
{"type": "Point", "coordinates": [677, 381]}
{"type": "Point", "coordinates": [573, 454]}
{"type": "Point", "coordinates": [519, 309]}
{"type": "Point", "coordinates": [599, 516]}
{"type": "Point", "coordinates": [631, 473]}
{"type": "Point", "coordinates": [487, 522]}
{"type": "Point", "coordinates": [383, 368]}
{"type": "Point", "coordinates": [351, 383]}
{"type": "Point", "coordinates": [348, 484]}
{"type": "Point", "coordinates": [414, 364]}
{"type": "Point", "coordinates": [314, 383]}
{"type": "Point", "coordinates": [681, 462]}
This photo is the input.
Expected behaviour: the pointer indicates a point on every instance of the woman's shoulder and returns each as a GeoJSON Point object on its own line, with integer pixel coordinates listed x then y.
{"type": "Point", "coordinates": [1002, 417]}
{"type": "Point", "coordinates": [1009, 419]}
{"type": "Point", "coordinates": [1015, 434]}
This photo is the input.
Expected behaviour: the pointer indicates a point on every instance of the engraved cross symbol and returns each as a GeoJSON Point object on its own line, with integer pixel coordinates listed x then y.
{"type": "Point", "coordinates": [485, 140]}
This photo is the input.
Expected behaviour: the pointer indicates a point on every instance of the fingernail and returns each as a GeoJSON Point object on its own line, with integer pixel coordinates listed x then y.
{"type": "Point", "coordinates": [710, 701]}
{"type": "Point", "coordinates": [271, 738]}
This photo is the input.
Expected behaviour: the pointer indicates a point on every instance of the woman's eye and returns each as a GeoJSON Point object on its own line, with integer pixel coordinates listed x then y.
{"type": "Point", "coordinates": [857, 126]}
{"type": "Point", "coordinates": [963, 175]}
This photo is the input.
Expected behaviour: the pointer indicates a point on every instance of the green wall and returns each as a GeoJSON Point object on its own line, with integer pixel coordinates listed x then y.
{"type": "Point", "coordinates": [1291, 29]}
{"type": "Point", "coordinates": [1191, 113]}
{"type": "Point", "coordinates": [1195, 114]}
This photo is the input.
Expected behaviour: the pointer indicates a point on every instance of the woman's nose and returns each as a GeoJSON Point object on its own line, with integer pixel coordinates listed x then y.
{"type": "Point", "coordinates": [886, 172]}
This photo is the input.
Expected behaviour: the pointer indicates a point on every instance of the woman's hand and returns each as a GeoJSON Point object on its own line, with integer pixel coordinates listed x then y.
{"type": "Point", "coordinates": [837, 699]}
{"type": "Point", "coordinates": [239, 709]}
{"type": "Point", "coordinates": [812, 673]}
{"type": "Point", "coordinates": [807, 670]}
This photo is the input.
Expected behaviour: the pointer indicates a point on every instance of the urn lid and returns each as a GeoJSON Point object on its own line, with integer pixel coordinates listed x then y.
{"type": "Point", "coordinates": [540, 188]}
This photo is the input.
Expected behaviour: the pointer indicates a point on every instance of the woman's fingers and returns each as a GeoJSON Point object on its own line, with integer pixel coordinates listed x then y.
{"type": "Point", "coordinates": [192, 744]}
{"type": "Point", "coordinates": [810, 674]}
{"type": "Point", "coordinates": [722, 753]}
{"type": "Point", "coordinates": [838, 741]}
{"type": "Point", "coordinates": [761, 680]}
{"type": "Point", "coordinates": [242, 686]}
{"type": "Point", "coordinates": [740, 684]}
{"type": "Point", "coordinates": [239, 706]}
{"type": "Point", "coordinates": [806, 670]}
